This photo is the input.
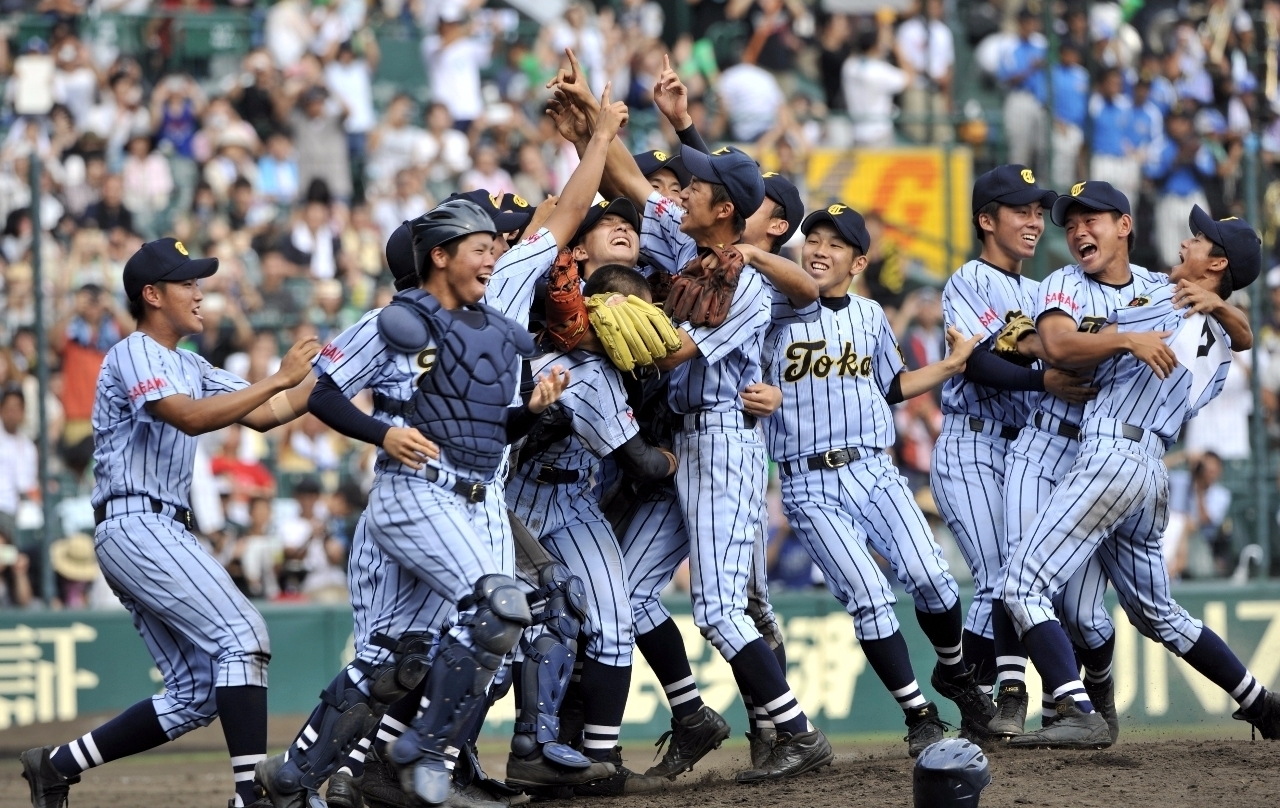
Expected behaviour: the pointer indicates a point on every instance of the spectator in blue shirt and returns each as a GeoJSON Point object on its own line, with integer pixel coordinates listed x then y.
{"type": "Point", "coordinates": [1021, 75]}
{"type": "Point", "coordinates": [1111, 117]}
{"type": "Point", "coordinates": [1146, 123]}
{"type": "Point", "coordinates": [1070, 111]}
{"type": "Point", "coordinates": [1179, 172]}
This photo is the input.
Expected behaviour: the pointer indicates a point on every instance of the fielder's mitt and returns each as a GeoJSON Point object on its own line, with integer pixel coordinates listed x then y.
{"type": "Point", "coordinates": [701, 296]}
{"type": "Point", "coordinates": [660, 285]}
{"type": "Point", "coordinates": [1017, 325]}
{"type": "Point", "coordinates": [565, 309]}
{"type": "Point", "coordinates": [631, 331]}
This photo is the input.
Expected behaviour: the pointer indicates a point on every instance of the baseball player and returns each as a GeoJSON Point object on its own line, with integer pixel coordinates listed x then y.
{"type": "Point", "coordinates": [839, 377]}
{"type": "Point", "coordinates": [1071, 305]}
{"type": "Point", "coordinates": [1112, 503]}
{"type": "Point", "coordinates": [208, 641]}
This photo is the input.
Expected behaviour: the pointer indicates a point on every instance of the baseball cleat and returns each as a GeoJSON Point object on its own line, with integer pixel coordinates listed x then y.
{"type": "Point", "coordinates": [540, 773]}
{"type": "Point", "coordinates": [1071, 729]}
{"type": "Point", "coordinates": [623, 781]}
{"type": "Point", "coordinates": [343, 791]}
{"type": "Point", "coordinates": [791, 755]}
{"type": "Point", "coordinates": [923, 728]}
{"type": "Point", "coordinates": [692, 737]}
{"type": "Point", "coordinates": [1264, 716]}
{"type": "Point", "coordinates": [1011, 710]}
{"type": "Point", "coordinates": [1103, 698]}
{"type": "Point", "coordinates": [49, 788]}
{"type": "Point", "coordinates": [380, 785]}
{"type": "Point", "coordinates": [761, 744]}
{"type": "Point", "coordinates": [471, 796]}
{"type": "Point", "coordinates": [264, 780]}
{"type": "Point", "coordinates": [976, 707]}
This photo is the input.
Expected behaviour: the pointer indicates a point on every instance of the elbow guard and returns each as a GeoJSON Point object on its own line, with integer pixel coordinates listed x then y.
{"type": "Point", "coordinates": [640, 461]}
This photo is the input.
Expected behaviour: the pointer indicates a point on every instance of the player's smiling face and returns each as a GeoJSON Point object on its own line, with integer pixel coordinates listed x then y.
{"type": "Point", "coordinates": [180, 305]}
{"type": "Point", "coordinates": [1194, 260]}
{"type": "Point", "coordinates": [665, 182]}
{"type": "Point", "coordinates": [1095, 237]}
{"type": "Point", "coordinates": [461, 280]}
{"type": "Point", "coordinates": [696, 201]}
{"type": "Point", "coordinates": [612, 241]}
{"type": "Point", "coordinates": [830, 260]}
{"type": "Point", "coordinates": [1018, 229]}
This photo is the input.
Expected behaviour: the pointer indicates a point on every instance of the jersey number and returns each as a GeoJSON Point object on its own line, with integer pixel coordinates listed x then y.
{"type": "Point", "coordinates": [1207, 340]}
{"type": "Point", "coordinates": [425, 362]}
{"type": "Point", "coordinates": [803, 361]}
{"type": "Point", "coordinates": [1092, 325]}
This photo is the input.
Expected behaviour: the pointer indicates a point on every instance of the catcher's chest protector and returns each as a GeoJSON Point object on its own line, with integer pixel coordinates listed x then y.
{"type": "Point", "coordinates": [461, 403]}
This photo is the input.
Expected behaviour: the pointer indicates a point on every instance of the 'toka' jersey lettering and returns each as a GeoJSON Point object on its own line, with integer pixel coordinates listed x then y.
{"type": "Point", "coordinates": [834, 374]}
{"type": "Point", "coordinates": [136, 453]}
{"type": "Point", "coordinates": [979, 299]}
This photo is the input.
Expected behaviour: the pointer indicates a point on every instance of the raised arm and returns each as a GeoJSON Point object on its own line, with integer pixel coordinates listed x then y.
{"type": "Point", "coordinates": [911, 383]}
{"type": "Point", "coordinates": [786, 275]}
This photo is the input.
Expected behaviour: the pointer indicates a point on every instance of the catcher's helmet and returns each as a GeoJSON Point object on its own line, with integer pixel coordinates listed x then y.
{"type": "Point", "coordinates": [950, 774]}
{"type": "Point", "coordinates": [454, 219]}
{"type": "Point", "coordinates": [400, 257]}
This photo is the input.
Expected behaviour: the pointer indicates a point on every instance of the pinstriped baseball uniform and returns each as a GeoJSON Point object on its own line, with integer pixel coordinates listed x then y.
{"type": "Point", "coordinates": [1114, 500]}
{"type": "Point", "coordinates": [1040, 457]}
{"type": "Point", "coordinates": [968, 470]}
{"type": "Point", "coordinates": [566, 518]}
{"type": "Point", "coordinates": [201, 631]}
{"type": "Point", "coordinates": [834, 374]}
{"type": "Point", "coordinates": [385, 598]}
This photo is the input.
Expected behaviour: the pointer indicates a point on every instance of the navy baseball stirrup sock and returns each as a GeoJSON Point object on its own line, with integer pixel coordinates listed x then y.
{"type": "Point", "coordinates": [663, 649]}
{"type": "Point", "coordinates": [891, 662]}
{"type": "Point", "coordinates": [1097, 662]}
{"type": "Point", "coordinates": [604, 699]}
{"type": "Point", "coordinates": [1054, 657]}
{"type": "Point", "coordinates": [243, 713]}
{"type": "Point", "coordinates": [744, 690]}
{"type": "Point", "coordinates": [1011, 656]}
{"type": "Point", "coordinates": [135, 730]}
{"type": "Point", "coordinates": [945, 632]}
{"type": "Point", "coordinates": [396, 719]}
{"type": "Point", "coordinates": [780, 654]}
{"type": "Point", "coordinates": [1219, 664]}
{"type": "Point", "coordinates": [981, 653]}
{"type": "Point", "coordinates": [759, 668]}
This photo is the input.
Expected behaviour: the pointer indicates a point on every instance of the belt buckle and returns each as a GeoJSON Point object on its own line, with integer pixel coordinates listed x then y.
{"type": "Point", "coordinates": [475, 493]}
{"type": "Point", "coordinates": [189, 519]}
{"type": "Point", "coordinates": [832, 458]}
{"type": "Point", "coordinates": [541, 476]}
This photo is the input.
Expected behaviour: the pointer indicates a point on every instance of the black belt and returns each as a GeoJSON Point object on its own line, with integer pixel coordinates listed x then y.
{"type": "Point", "coordinates": [749, 421]}
{"type": "Point", "coordinates": [550, 475]}
{"type": "Point", "coordinates": [391, 406]}
{"type": "Point", "coordinates": [1133, 433]}
{"type": "Point", "coordinates": [469, 490]}
{"type": "Point", "coordinates": [830, 459]}
{"type": "Point", "coordinates": [182, 515]}
{"type": "Point", "coordinates": [1006, 432]}
{"type": "Point", "coordinates": [1066, 430]}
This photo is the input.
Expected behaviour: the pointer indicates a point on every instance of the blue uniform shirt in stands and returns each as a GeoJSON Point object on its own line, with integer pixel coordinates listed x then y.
{"type": "Point", "coordinates": [1071, 94]}
{"type": "Point", "coordinates": [1179, 180]}
{"type": "Point", "coordinates": [1112, 125]}
{"type": "Point", "coordinates": [1018, 61]}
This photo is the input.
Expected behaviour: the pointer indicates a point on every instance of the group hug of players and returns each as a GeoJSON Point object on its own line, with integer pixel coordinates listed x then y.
{"type": "Point", "coordinates": [533, 500]}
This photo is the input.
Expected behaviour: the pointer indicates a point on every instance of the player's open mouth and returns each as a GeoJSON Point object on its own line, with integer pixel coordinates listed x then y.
{"type": "Point", "coordinates": [620, 241]}
{"type": "Point", "coordinates": [819, 266]}
{"type": "Point", "coordinates": [1030, 238]}
{"type": "Point", "coordinates": [1088, 250]}
{"type": "Point", "coordinates": [484, 279]}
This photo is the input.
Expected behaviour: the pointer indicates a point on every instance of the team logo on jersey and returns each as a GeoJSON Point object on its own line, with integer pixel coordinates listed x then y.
{"type": "Point", "coordinates": [660, 156]}
{"type": "Point", "coordinates": [836, 210]}
{"type": "Point", "coordinates": [1028, 177]}
{"type": "Point", "coordinates": [146, 386]}
{"type": "Point", "coordinates": [177, 245]}
{"type": "Point", "coordinates": [518, 201]}
{"type": "Point", "coordinates": [806, 359]}
{"type": "Point", "coordinates": [1077, 189]}
{"type": "Point", "coordinates": [331, 352]}
{"type": "Point", "coordinates": [1140, 301]}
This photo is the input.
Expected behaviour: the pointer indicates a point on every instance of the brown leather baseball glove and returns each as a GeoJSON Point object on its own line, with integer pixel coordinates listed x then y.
{"type": "Point", "coordinates": [700, 295]}
{"type": "Point", "coordinates": [566, 310]}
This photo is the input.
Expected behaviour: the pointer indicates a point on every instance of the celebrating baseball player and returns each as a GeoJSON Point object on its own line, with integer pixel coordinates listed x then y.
{"type": "Point", "coordinates": [208, 641]}
{"type": "Point", "coordinates": [1113, 502]}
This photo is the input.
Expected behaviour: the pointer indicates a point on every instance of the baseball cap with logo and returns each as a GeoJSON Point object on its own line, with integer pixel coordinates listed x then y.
{"type": "Point", "coordinates": [400, 253]}
{"type": "Point", "coordinates": [1092, 194]}
{"type": "Point", "coordinates": [506, 218]}
{"type": "Point", "coordinates": [847, 222]}
{"type": "Point", "coordinates": [619, 207]}
{"type": "Point", "coordinates": [781, 190]}
{"type": "Point", "coordinates": [651, 162]}
{"type": "Point", "coordinates": [732, 168]}
{"type": "Point", "coordinates": [1010, 185]}
{"type": "Point", "coordinates": [165, 259]}
{"type": "Point", "coordinates": [1237, 239]}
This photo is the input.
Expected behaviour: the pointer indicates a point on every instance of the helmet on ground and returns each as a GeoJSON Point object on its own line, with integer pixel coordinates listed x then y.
{"type": "Point", "coordinates": [950, 774]}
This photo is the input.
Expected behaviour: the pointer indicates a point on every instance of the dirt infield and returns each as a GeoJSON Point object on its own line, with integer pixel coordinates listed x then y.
{"type": "Point", "coordinates": [1163, 773]}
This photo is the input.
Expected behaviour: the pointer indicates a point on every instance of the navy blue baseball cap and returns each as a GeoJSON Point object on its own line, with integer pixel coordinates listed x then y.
{"type": "Point", "coordinates": [732, 168]}
{"type": "Point", "coordinates": [504, 219]}
{"type": "Point", "coordinates": [620, 207]}
{"type": "Point", "coordinates": [400, 252]}
{"type": "Point", "coordinates": [1237, 239]}
{"type": "Point", "coordinates": [1092, 194]}
{"type": "Point", "coordinates": [1010, 185]}
{"type": "Point", "coordinates": [164, 259]}
{"type": "Point", "coordinates": [785, 193]}
{"type": "Point", "coordinates": [651, 162]}
{"type": "Point", "coordinates": [847, 222]}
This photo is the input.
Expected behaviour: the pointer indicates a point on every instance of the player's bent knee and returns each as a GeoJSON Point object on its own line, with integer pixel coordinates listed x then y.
{"type": "Point", "coordinates": [500, 615]}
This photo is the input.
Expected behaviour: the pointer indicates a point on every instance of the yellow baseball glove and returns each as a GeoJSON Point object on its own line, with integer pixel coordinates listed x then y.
{"type": "Point", "coordinates": [1017, 325]}
{"type": "Point", "coordinates": [632, 331]}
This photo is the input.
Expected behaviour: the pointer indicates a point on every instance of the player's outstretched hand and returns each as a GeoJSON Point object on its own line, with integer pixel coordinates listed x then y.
{"type": "Point", "coordinates": [1196, 299]}
{"type": "Point", "coordinates": [548, 390]}
{"type": "Point", "coordinates": [296, 364]}
{"type": "Point", "coordinates": [612, 117]}
{"type": "Point", "coordinates": [409, 446]}
{"type": "Point", "coordinates": [1148, 347]}
{"type": "Point", "coordinates": [571, 85]}
{"type": "Point", "coordinates": [961, 347]}
{"type": "Point", "coordinates": [670, 95]}
{"type": "Point", "coordinates": [1069, 386]}
{"type": "Point", "coordinates": [570, 121]}
{"type": "Point", "coordinates": [761, 400]}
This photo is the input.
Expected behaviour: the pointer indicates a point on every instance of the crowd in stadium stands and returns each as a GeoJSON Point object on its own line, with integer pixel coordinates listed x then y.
{"type": "Point", "coordinates": [294, 168]}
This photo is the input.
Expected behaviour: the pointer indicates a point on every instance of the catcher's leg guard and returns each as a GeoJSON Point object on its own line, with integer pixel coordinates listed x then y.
{"type": "Point", "coordinates": [458, 683]}
{"type": "Point", "coordinates": [342, 717]}
{"type": "Point", "coordinates": [388, 684]}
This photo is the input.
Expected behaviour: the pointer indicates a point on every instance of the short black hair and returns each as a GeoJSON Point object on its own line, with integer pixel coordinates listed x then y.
{"type": "Point", "coordinates": [1225, 288]}
{"type": "Point", "coordinates": [615, 278]}
{"type": "Point", "coordinates": [424, 269]}
{"type": "Point", "coordinates": [779, 212]}
{"type": "Point", "coordinates": [138, 306]}
{"type": "Point", "coordinates": [721, 194]}
{"type": "Point", "coordinates": [992, 209]}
